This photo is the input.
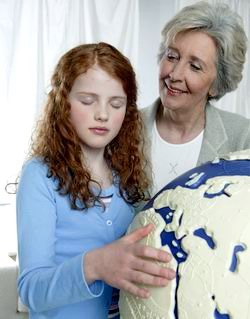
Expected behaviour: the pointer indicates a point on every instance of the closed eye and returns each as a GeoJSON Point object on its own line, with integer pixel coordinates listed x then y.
{"type": "Point", "coordinates": [195, 67]}
{"type": "Point", "coordinates": [87, 100]}
{"type": "Point", "coordinates": [118, 102]}
{"type": "Point", "coordinates": [171, 58]}
{"type": "Point", "coordinates": [171, 55]}
{"type": "Point", "coordinates": [86, 103]}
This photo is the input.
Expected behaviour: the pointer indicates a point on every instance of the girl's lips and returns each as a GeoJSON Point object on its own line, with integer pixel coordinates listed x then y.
{"type": "Point", "coordinates": [99, 130]}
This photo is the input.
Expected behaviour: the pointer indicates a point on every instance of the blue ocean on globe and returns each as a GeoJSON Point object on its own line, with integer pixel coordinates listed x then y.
{"type": "Point", "coordinates": [199, 176]}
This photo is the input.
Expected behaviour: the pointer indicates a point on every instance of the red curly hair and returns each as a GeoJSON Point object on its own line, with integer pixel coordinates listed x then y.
{"type": "Point", "coordinates": [56, 142]}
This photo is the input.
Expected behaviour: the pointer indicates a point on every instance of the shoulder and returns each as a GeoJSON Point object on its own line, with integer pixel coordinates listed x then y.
{"type": "Point", "coordinates": [229, 130]}
{"type": "Point", "coordinates": [34, 175]}
{"type": "Point", "coordinates": [35, 167]}
{"type": "Point", "coordinates": [150, 111]}
{"type": "Point", "coordinates": [149, 114]}
{"type": "Point", "coordinates": [35, 186]}
{"type": "Point", "coordinates": [229, 119]}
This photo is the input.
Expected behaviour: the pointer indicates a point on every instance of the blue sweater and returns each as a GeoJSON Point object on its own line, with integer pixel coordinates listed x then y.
{"type": "Point", "coordinates": [52, 242]}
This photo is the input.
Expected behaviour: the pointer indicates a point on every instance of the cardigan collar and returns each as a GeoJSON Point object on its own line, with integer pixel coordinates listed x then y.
{"type": "Point", "coordinates": [214, 137]}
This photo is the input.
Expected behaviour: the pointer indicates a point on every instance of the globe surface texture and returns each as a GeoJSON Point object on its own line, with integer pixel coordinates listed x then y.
{"type": "Point", "coordinates": [203, 219]}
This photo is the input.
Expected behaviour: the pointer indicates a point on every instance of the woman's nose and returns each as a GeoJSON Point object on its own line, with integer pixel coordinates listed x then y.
{"type": "Point", "coordinates": [177, 72]}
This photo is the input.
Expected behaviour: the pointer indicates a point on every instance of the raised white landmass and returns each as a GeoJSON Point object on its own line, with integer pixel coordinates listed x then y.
{"type": "Point", "coordinates": [161, 302]}
{"type": "Point", "coordinates": [207, 279]}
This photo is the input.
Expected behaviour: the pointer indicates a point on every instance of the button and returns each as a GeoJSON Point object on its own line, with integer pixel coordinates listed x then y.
{"type": "Point", "coordinates": [109, 222]}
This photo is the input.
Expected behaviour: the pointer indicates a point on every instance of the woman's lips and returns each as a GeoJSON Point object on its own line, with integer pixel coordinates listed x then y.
{"type": "Point", "coordinates": [174, 91]}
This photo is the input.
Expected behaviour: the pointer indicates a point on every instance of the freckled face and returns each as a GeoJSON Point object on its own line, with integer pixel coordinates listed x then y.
{"type": "Point", "coordinates": [187, 72]}
{"type": "Point", "coordinates": [98, 106]}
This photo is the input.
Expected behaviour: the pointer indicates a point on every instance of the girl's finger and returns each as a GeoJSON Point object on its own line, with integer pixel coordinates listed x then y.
{"type": "Point", "coordinates": [139, 233]}
{"type": "Point", "coordinates": [153, 269]}
{"type": "Point", "coordinates": [135, 290]}
{"type": "Point", "coordinates": [139, 277]}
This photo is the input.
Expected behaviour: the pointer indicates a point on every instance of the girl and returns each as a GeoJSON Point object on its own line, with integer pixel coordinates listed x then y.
{"type": "Point", "coordinates": [76, 193]}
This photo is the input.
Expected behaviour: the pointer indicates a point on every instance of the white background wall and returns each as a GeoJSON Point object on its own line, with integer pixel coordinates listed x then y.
{"type": "Point", "coordinates": [25, 96]}
{"type": "Point", "coordinates": [153, 16]}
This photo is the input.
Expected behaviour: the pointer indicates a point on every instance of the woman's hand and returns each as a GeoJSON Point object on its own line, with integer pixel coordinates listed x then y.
{"type": "Point", "coordinates": [125, 263]}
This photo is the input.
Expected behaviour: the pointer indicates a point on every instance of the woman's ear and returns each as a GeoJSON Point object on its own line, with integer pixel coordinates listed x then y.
{"type": "Point", "coordinates": [212, 92]}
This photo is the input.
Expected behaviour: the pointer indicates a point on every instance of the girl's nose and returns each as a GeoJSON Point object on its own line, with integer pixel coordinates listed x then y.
{"type": "Point", "coordinates": [101, 114]}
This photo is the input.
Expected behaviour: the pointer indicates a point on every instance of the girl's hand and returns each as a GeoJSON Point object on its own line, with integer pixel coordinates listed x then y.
{"type": "Point", "coordinates": [125, 263]}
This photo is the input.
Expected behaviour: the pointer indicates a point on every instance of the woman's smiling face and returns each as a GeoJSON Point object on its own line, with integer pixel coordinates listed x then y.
{"type": "Point", "coordinates": [188, 71]}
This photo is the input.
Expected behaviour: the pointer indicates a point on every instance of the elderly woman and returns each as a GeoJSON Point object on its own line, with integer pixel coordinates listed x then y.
{"type": "Point", "coordinates": [201, 58]}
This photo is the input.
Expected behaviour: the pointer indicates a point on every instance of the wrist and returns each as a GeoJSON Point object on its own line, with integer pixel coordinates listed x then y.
{"type": "Point", "coordinates": [90, 266]}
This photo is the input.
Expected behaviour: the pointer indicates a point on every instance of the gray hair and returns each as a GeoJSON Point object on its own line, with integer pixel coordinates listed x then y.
{"type": "Point", "coordinates": [225, 27]}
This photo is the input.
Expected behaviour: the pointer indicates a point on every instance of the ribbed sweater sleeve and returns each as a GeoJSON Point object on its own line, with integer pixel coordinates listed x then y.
{"type": "Point", "coordinates": [44, 284]}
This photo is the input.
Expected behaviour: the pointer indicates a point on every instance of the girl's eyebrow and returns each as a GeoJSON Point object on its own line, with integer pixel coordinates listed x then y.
{"type": "Point", "coordinates": [86, 93]}
{"type": "Point", "coordinates": [96, 95]}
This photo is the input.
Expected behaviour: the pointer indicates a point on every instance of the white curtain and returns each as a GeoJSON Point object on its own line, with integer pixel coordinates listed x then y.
{"type": "Point", "coordinates": [239, 100]}
{"type": "Point", "coordinates": [33, 35]}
